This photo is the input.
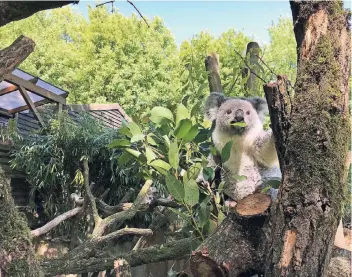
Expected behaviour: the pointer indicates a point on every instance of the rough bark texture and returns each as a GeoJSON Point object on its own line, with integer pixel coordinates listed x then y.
{"type": "Point", "coordinates": [16, 253]}
{"type": "Point", "coordinates": [253, 84]}
{"type": "Point", "coordinates": [212, 67]}
{"type": "Point", "coordinates": [312, 190]}
{"type": "Point", "coordinates": [13, 11]}
{"type": "Point", "coordinates": [101, 261]}
{"type": "Point", "coordinates": [15, 54]}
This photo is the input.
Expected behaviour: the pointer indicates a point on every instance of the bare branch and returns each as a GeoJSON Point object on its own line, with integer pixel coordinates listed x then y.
{"type": "Point", "coordinates": [89, 196]}
{"type": "Point", "coordinates": [56, 221]}
{"type": "Point", "coordinates": [138, 12]}
{"type": "Point", "coordinates": [212, 68]}
{"type": "Point", "coordinates": [105, 260]}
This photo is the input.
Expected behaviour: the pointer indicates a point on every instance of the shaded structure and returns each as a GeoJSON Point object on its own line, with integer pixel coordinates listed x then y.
{"type": "Point", "coordinates": [29, 99]}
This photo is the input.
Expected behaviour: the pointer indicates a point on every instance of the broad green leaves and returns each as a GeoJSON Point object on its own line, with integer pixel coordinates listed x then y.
{"type": "Point", "coordinates": [158, 115]}
{"type": "Point", "coordinates": [175, 187]}
{"type": "Point", "coordinates": [191, 193]}
{"type": "Point", "coordinates": [173, 155]}
{"type": "Point", "coordinates": [226, 151]}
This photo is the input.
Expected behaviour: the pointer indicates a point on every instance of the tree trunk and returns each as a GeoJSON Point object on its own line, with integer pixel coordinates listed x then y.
{"type": "Point", "coordinates": [16, 253]}
{"type": "Point", "coordinates": [304, 222]}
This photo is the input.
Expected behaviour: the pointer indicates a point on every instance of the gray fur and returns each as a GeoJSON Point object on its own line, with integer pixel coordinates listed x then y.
{"type": "Point", "coordinates": [253, 153]}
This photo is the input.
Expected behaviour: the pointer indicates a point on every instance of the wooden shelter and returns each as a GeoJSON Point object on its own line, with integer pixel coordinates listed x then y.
{"type": "Point", "coordinates": [26, 98]}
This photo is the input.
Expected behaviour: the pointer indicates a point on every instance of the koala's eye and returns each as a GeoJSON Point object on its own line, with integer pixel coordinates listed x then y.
{"type": "Point", "coordinates": [248, 112]}
{"type": "Point", "coordinates": [229, 112]}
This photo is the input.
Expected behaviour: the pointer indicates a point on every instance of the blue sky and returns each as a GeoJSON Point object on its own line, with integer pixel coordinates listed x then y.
{"type": "Point", "coordinates": [187, 18]}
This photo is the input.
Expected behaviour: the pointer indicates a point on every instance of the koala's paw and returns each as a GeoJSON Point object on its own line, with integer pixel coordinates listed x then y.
{"type": "Point", "coordinates": [201, 181]}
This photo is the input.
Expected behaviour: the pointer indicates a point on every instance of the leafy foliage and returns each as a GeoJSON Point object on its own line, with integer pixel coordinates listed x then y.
{"type": "Point", "coordinates": [52, 160]}
{"type": "Point", "coordinates": [171, 149]}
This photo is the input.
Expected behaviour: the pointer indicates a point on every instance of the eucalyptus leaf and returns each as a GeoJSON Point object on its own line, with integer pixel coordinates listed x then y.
{"type": "Point", "coordinates": [183, 128]}
{"type": "Point", "coordinates": [173, 155]}
{"type": "Point", "coordinates": [136, 138]}
{"type": "Point", "coordinates": [239, 124]}
{"type": "Point", "coordinates": [192, 133]}
{"type": "Point", "coordinates": [191, 193]}
{"type": "Point", "coordinates": [226, 151]}
{"type": "Point", "coordinates": [160, 163]}
{"type": "Point", "coordinates": [150, 155]}
{"type": "Point", "coordinates": [134, 128]}
{"type": "Point", "coordinates": [159, 113]}
{"type": "Point", "coordinates": [181, 113]}
{"type": "Point", "coordinates": [133, 152]}
{"type": "Point", "coordinates": [119, 143]}
{"type": "Point", "coordinates": [175, 187]}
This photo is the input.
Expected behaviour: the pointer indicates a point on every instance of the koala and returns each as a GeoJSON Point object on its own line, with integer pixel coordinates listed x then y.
{"type": "Point", "coordinates": [253, 152]}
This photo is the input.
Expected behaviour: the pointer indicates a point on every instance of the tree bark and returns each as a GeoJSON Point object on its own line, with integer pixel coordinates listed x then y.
{"type": "Point", "coordinates": [304, 222]}
{"type": "Point", "coordinates": [16, 253]}
{"type": "Point", "coordinates": [253, 85]}
{"type": "Point", "coordinates": [13, 11]}
{"type": "Point", "coordinates": [15, 54]}
{"type": "Point", "coordinates": [101, 261]}
{"type": "Point", "coordinates": [212, 68]}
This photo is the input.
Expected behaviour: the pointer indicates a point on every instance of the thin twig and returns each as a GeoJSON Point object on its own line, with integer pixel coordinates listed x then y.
{"type": "Point", "coordinates": [250, 67]}
{"type": "Point", "coordinates": [138, 12]}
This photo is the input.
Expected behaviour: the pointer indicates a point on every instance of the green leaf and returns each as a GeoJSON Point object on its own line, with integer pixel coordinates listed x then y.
{"type": "Point", "coordinates": [221, 217]}
{"type": "Point", "coordinates": [182, 215]}
{"type": "Point", "coordinates": [160, 163]}
{"type": "Point", "coordinates": [274, 182]}
{"type": "Point", "coordinates": [226, 151]}
{"type": "Point", "coordinates": [201, 88]}
{"type": "Point", "coordinates": [119, 143]}
{"type": "Point", "coordinates": [240, 177]}
{"type": "Point", "coordinates": [183, 128]}
{"type": "Point", "coordinates": [173, 155]}
{"type": "Point", "coordinates": [192, 133]}
{"type": "Point", "coordinates": [133, 152]}
{"type": "Point", "coordinates": [192, 172]}
{"type": "Point", "coordinates": [158, 114]}
{"type": "Point", "coordinates": [239, 124]}
{"type": "Point", "coordinates": [151, 140]}
{"type": "Point", "coordinates": [149, 154]}
{"type": "Point", "coordinates": [136, 138]}
{"type": "Point", "coordinates": [134, 128]}
{"type": "Point", "coordinates": [203, 135]}
{"type": "Point", "coordinates": [125, 131]}
{"type": "Point", "coordinates": [191, 193]}
{"type": "Point", "coordinates": [181, 113]}
{"type": "Point", "coordinates": [221, 187]}
{"type": "Point", "coordinates": [266, 189]}
{"type": "Point", "coordinates": [175, 187]}
{"type": "Point", "coordinates": [196, 108]}
{"type": "Point", "coordinates": [124, 159]}
{"type": "Point", "coordinates": [167, 141]}
{"type": "Point", "coordinates": [204, 214]}
{"type": "Point", "coordinates": [208, 173]}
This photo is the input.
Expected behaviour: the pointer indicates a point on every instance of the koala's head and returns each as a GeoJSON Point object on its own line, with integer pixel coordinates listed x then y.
{"type": "Point", "coordinates": [226, 112]}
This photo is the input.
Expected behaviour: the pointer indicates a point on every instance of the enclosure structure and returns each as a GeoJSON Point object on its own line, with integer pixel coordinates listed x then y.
{"type": "Point", "coordinates": [28, 99]}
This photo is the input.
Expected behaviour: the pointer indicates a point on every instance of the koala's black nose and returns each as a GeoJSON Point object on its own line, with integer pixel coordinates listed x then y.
{"type": "Point", "coordinates": [239, 116]}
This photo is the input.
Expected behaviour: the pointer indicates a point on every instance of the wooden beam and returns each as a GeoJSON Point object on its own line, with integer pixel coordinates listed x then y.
{"type": "Point", "coordinates": [30, 104]}
{"type": "Point", "coordinates": [35, 89]}
{"type": "Point", "coordinates": [13, 88]}
{"type": "Point", "coordinates": [25, 107]}
{"type": "Point", "coordinates": [9, 89]}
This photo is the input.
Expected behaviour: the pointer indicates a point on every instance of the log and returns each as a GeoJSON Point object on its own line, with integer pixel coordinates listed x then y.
{"type": "Point", "coordinates": [15, 54]}
{"type": "Point", "coordinates": [236, 246]}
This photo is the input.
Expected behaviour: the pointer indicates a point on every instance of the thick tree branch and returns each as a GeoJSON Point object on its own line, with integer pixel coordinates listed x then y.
{"type": "Point", "coordinates": [15, 54]}
{"type": "Point", "coordinates": [100, 228]}
{"type": "Point", "coordinates": [17, 10]}
{"type": "Point", "coordinates": [103, 261]}
{"type": "Point", "coordinates": [56, 221]}
{"type": "Point", "coordinates": [89, 195]}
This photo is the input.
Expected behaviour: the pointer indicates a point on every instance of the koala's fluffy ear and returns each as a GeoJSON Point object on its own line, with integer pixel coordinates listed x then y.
{"type": "Point", "coordinates": [212, 104]}
{"type": "Point", "coordinates": [260, 105]}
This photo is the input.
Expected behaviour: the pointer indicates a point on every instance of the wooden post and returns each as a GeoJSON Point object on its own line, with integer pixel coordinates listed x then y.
{"type": "Point", "coordinates": [212, 68]}
{"type": "Point", "coordinates": [30, 104]}
{"type": "Point", "coordinates": [253, 84]}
